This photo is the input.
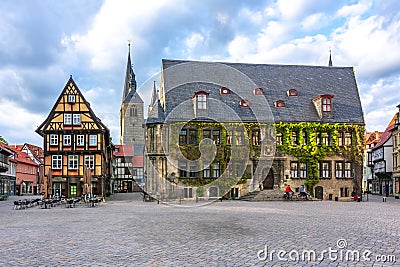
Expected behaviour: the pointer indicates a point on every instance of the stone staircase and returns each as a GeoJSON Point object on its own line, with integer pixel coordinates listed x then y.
{"type": "Point", "coordinates": [265, 195]}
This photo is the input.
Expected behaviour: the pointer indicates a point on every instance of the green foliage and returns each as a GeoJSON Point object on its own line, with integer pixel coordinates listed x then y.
{"type": "Point", "coordinates": [3, 140]}
{"type": "Point", "coordinates": [311, 152]}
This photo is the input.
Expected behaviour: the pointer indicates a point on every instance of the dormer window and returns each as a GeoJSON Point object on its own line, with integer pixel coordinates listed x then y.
{"type": "Point", "coordinates": [292, 92]}
{"type": "Point", "coordinates": [324, 106]}
{"type": "Point", "coordinates": [225, 91]}
{"type": "Point", "coordinates": [202, 101]}
{"type": "Point", "coordinates": [279, 104]}
{"type": "Point", "coordinates": [71, 99]}
{"type": "Point", "coordinates": [244, 103]}
{"type": "Point", "coordinates": [258, 91]}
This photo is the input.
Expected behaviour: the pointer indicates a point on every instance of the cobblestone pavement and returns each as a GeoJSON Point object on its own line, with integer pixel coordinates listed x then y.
{"type": "Point", "coordinates": [231, 233]}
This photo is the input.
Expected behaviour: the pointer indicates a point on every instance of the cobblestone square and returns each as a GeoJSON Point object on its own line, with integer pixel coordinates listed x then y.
{"type": "Point", "coordinates": [228, 233]}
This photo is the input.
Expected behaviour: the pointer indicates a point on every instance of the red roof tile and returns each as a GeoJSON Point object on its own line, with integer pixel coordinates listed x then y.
{"type": "Point", "coordinates": [387, 134]}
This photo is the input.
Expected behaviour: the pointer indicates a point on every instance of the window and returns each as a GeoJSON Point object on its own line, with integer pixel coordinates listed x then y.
{"type": "Point", "coordinates": [279, 104]}
{"type": "Point", "coordinates": [67, 140]}
{"type": "Point", "coordinates": [279, 139]}
{"type": "Point", "coordinates": [182, 169]}
{"type": "Point", "coordinates": [216, 136]}
{"type": "Point", "coordinates": [133, 111]}
{"type": "Point", "coordinates": [323, 138]}
{"type": "Point", "coordinates": [71, 98]}
{"type": "Point", "coordinates": [348, 170]}
{"type": "Point", "coordinates": [239, 138]}
{"type": "Point", "coordinates": [216, 169]}
{"type": "Point", "coordinates": [294, 165]}
{"type": "Point", "coordinates": [255, 137]}
{"type": "Point", "coordinates": [89, 161]}
{"type": "Point", "coordinates": [347, 139]}
{"type": "Point", "coordinates": [56, 162]}
{"type": "Point", "coordinates": [206, 171]}
{"type": "Point", "coordinates": [305, 138]}
{"type": "Point", "coordinates": [80, 140]}
{"type": "Point", "coordinates": [92, 140]}
{"type": "Point", "coordinates": [244, 103]}
{"type": "Point", "coordinates": [339, 169]}
{"type": "Point", "coordinates": [258, 91]}
{"type": "Point", "coordinates": [344, 192]}
{"type": "Point", "coordinates": [303, 170]}
{"type": "Point", "coordinates": [292, 92]}
{"type": "Point", "coordinates": [152, 138]}
{"type": "Point", "coordinates": [207, 134]}
{"type": "Point", "coordinates": [73, 162]}
{"type": "Point", "coordinates": [225, 91]}
{"type": "Point", "coordinates": [325, 171]}
{"type": "Point", "coordinates": [67, 119]}
{"type": "Point", "coordinates": [183, 137]}
{"type": "Point", "coordinates": [77, 119]}
{"type": "Point", "coordinates": [229, 137]}
{"type": "Point", "coordinates": [201, 101]}
{"type": "Point", "coordinates": [340, 138]}
{"type": "Point", "coordinates": [326, 104]}
{"type": "Point", "coordinates": [294, 138]}
{"type": "Point", "coordinates": [53, 139]}
{"type": "Point", "coordinates": [192, 136]}
{"type": "Point", "coordinates": [192, 170]}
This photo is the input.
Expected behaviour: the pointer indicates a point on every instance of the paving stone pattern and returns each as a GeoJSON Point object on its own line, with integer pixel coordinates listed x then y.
{"type": "Point", "coordinates": [232, 233]}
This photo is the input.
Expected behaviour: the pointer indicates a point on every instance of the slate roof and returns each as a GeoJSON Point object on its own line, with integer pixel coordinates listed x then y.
{"type": "Point", "coordinates": [183, 78]}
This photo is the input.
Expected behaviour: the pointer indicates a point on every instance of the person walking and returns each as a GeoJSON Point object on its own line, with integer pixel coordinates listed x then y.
{"type": "Point", "coordinates": [288, 191]}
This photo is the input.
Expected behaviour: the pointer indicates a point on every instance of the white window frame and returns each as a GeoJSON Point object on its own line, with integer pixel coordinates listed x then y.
{"type": "Point", "coordinates": [89, 161]}
{"type": "Point", "coordinates": [67, 118]}
{"type": "Point", "coordinates": [303, 171]}
{"type": "Point", "coordinates": [71, 99]}
{"type": "Point", "coordinates": [56, 162]}
{"type": "Point", "coordinates": [201, 101]}
{"type": "Point", "coordinates": [53, 139]}
{"type": "Point", "coordinates": [80, 140]}
{"type": "Point", "coordinates": [67, 140]}
{"type": "Point", "coordinates": [76, 119]}
{"type": "Point", "coordinates": [73, 162]}
{"type": "Point", "coordinates": [93, 140]}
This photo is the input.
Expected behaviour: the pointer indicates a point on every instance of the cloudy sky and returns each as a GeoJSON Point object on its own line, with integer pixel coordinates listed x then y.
{"type": "Point", "coordinates": [43, 42]}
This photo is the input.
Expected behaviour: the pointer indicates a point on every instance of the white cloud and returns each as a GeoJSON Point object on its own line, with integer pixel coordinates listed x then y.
{"type": "Point", "coordinates": [13, 117]}
{"type": "Point", "coordinates": [314, 21]}
{"type": "Point", "coordinates": [241, 47]}
{"type": "Point", "coordinates": [354, 10]}
{"type": "Point", "coordinates": [194, 40]}
{"type": "Point", "coordinates": [115, 24]}
{"type": "Point", "coordinates": [369, 45]}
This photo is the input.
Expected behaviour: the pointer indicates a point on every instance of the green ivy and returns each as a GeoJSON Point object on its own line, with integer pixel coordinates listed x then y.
{"type": "Point", "coordinates": [312, 153]}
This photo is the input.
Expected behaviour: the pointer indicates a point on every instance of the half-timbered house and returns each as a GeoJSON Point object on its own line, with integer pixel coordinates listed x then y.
{"type": "Point", "coordinates": [74, 137]}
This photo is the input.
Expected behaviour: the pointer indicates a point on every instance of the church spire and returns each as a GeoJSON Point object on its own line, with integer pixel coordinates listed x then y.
{"type": "Point", "coordinates": [330, 58]}
{"type": "Point", "coordinates": [130, 81]}
{"type": "Point", "coordinates": [154, 97]}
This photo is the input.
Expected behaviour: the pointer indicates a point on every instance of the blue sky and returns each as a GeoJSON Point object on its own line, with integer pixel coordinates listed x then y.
{"type": "Point", "coordinates": [42, 42]}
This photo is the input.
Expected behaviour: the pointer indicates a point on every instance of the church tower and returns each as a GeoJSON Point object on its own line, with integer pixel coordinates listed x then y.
{"type": "Point", "coordinates": [131, 113]}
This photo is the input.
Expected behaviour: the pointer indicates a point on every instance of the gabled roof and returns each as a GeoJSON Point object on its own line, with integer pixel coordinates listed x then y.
{"type": "Point", "coordinates": [5, 149]}
{"type": "Point", "coordinates": [387, 133]}
{"type": "Point", "coordinates": [35, 151]}
{"type": "Point", "coordinates": [22, 157]}
{"type": "Point", "coordinates": [71, 84]}
{"type": "Point", "coordinates": [309, 81]}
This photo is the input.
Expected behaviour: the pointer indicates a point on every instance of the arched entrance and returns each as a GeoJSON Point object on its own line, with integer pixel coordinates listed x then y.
{"type": "Point", "coordinates": [268, 182]}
